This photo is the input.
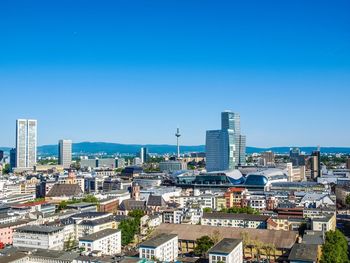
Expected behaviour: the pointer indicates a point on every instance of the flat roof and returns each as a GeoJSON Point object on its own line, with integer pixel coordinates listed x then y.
{"type": "Point", "coordinates": [99, 235]}
{"type": "Point", "coordinates": [158, 240]}
{"type": "Point", "coordinates": [279, 238]}
{"type": "Point", "coordinates": [225, 246]}
{"type": "Point", "coordinates": [39, 229]}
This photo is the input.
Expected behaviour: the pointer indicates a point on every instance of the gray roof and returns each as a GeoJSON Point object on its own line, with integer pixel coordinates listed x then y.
{"type": "Point", "coordinates": [81, 205]}
{"type": "Point", "coordinates": [156, 200]}
{"type": "Point", "coordinates": [39, 229]}
{"type": "Point", "coordinates": [97, 222]}
{"type": "Point", "coordinates": [54, 254]}
{"type": "Point", "coordinates": [313, 238]}
{"type": "Point", "coordinates": [225, 246]}
{"type": "Point", "coordinates": [304, 252]}
{"type": "Point", "coordinates": [99, 235]}
{"type": "Point", "coordinates": [69, 190]}
{"type": "Point", "coordinates": [131, 204]}
{"type": "Point", "coordinates": [235, 216]}
{"type": "Point", "coordinates": [13, 257]}
{"type": "Point", "coordinates": [158, 240]}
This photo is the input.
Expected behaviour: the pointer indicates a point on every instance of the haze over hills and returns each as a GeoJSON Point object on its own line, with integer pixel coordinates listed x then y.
{"type": "Point", "coordinates": [113, 148]}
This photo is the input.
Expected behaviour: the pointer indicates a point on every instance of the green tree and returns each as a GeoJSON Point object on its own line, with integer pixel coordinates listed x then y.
{"type": "Point", "coordinates": [347, 199]}
{"type": "Point", "coordinates": [207, 210]}
{"type": "Point", "coordinates": [90, 199]}
{"type": "Point", "coordinates": [129, 228]}
{"type": "Point", "coordinates": [137, 214]}
{"type": "Point", "coordinates": [6, 169]}
{"type": "Point", "coordinates": [335, 249]}
{"type": "Point", "coordinates": [203, 244]}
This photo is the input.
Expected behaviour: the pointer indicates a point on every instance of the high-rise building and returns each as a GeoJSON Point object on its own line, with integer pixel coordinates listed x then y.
{"type": "Point", "coordinates": [220, 150]}
{"type": "Point", "coordinates": [315, 163]}
{"type": "Point", "coordinates": [143, 154]}
{"type": "Point", "coordinates": [232, 121]}
{"type": "Point", "coordinates": [268, 158]}
{"type": "Point", "coordinates": [296, 157]}
{"type": "Point", "coordinates": [13, 158]}
{"type": "Point", "coordinates": [226, 148]}
{"type": "Point", "coordinates": [1, 155]}
{"type": "Point", "coordinates": [26, 143]}
{"type": "Point", "coordinates": [348, 163]}
{"type": "Point", "coordinates": [65, 153]}
{"type": "Point", "coordinates": [242, 149]}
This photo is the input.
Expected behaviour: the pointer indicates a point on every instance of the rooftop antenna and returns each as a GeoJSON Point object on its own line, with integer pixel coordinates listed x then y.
{"type": "Point", "coordinates": [178, 135]}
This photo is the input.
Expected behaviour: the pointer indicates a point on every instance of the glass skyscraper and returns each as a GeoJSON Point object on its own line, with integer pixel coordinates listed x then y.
{"type": "Point", "coordinates": [225, 148]}
{"type": "Point", "coordinates": [26, 143]}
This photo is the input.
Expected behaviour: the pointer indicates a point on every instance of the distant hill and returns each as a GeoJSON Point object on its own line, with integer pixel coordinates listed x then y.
{"type": "Point", "coordinates": [112, 148]}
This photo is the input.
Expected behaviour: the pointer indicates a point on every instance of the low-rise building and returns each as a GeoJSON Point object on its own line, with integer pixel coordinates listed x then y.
{"type": "Point", "coordinates": [325, 223]}
{"type": "Point", "coordinates": [42, 237]}
{"type": "Point", "coordinates": [107, 241]}
{"type": "Point", "coordinates": [235, 220]}
{"type": "Point", "coordinates": [163, 247]}
{"type": "Point", "coordinates": [227, 250]}
{"type": "Point", "coordinates": [304, 253]}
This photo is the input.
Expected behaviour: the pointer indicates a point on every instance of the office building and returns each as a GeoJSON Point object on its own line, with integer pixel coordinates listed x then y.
{"type": "Point", "coordinates": [226, 148]}
{"type": "Point", "coordinates": [65, 153]}
{"type": "Point", "coordinates": [1, 155]}
{"type": "Point", "coordinates": [13, 158]}
{"type": "Point", "coordinates": [26, 143]}
{"type": "Point", "coordinates": [220, 150]}
{"type": "Point", "coordinates": [348, 163]}
{"type": "Point", "coordinates": [227, 250]}
{"type": "Point", "coordinates": [39, 237]}
{"type": "Point", "coordinates": [268, 158]}
{"type": "Point", "coordinates": [143, 154]}
{"type": "Point", "coordinates": [232, 121]}
{"type": "Point", "coordinates": [315, 163]}
{"type": "Point", "coordinates": [172, 166]}
{"type": "Point", "coordinates": [163, 247]}
{"type": "Point", "coordinates": [296, 157]}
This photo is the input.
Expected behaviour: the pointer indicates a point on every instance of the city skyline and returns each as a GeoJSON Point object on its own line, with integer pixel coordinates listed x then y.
{"type": "Point", "coordinates": [177, 64]}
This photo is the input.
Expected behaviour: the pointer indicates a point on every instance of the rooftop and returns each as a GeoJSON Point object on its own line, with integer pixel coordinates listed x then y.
{"type": "Point", "coordinates": [304, 252]}
{"type": "Point", "coordinates": [225, 246]}
{"type": "Point", "coordinates": [158, 240]}
{"type": "Point", "coordinates": [235, 216]}
{"type": "Point", "coordinates": [39, 229]}
{"type": "Point", "coordinates": [279, 238]}
{"type": "Point", "coordinates": [99, 235]}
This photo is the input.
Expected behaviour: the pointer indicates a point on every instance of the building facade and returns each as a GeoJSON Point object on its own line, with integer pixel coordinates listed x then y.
{"type": "Point", "coordinates": [163, 247]}
{"type": "Point", "coordinates": [65, 153]}
{"type": "Point", "coordinates": [107, 242]}
{"type": "Point", "coordinates": [26, 143]}
{"type": "Point", "coordinates": [39, 237]}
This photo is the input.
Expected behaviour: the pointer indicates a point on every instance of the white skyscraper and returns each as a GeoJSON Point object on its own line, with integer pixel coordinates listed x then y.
{"type": "Point", "coordinates": [26, 143]}
{"type": "Point", "coordinates": [65, 153]}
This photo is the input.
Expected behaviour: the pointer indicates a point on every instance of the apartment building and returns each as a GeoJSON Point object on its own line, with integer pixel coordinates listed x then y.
{"type": "Point", "coordinates": [163, 247]}
{"type": "Point", "coordinates": [107, 242]}
{"type": "Point", "coordinates": [235, 220]}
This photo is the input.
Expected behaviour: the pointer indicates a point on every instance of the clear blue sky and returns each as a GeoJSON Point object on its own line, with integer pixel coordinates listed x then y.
{"type": "Point", "coordinates": [132, 71]}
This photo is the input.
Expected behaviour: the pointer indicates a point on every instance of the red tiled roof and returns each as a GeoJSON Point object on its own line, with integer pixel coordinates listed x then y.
{"type": "Point", "coordinates": [31, 204]}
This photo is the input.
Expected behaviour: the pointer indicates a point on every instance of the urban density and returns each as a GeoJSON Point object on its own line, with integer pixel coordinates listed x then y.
{"type": "Point", "coordinates": [221, 205]}
{"type": "Point", "coordinates": [168, 131]}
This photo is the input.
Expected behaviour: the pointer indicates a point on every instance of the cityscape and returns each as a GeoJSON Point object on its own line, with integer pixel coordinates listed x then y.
{"type": "Point", "coordinates": [168, 131]}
